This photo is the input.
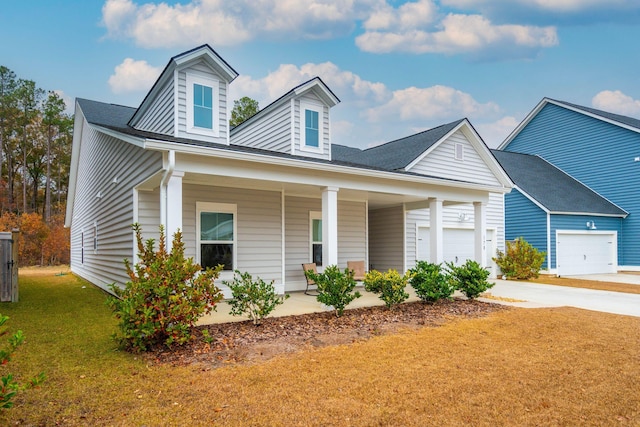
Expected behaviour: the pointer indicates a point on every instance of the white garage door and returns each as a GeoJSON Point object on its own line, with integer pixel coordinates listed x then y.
{"type": "Point", "coordinates": [458, 245]}
{"type": "Point", "coordinates": [586, 253]}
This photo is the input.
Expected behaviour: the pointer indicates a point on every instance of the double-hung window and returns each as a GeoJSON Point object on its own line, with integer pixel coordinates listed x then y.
{"type": "Point", "coordinates": [315, 221]}
{"type": "Point", "coordinates": [216, 232]}
{"type": "Point", "coordinates": [311, 117]}
{"type": "Point", "coordinates": [202, 104]}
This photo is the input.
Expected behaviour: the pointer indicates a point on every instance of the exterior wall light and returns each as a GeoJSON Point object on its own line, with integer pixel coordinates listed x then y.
{"type": "Point", "coordinates": [591, 225]}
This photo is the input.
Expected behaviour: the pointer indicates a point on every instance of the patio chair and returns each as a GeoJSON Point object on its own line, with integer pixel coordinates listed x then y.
{"type": "Point", "coordinates": [359, 270]}
{"type": "Point", "coordinates": [309, 267]}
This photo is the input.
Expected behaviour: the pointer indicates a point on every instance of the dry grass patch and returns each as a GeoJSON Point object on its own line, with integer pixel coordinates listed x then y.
{"type": "Point", "coordinates": [588, 284]}
{"type": "Point", "coordinates": [558, 366]}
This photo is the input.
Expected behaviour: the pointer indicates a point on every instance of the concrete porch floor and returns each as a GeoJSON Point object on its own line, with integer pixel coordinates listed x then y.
{"type": "Point", "coordinates": [298, 303]}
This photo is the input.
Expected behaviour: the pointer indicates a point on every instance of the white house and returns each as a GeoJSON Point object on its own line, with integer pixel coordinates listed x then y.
{"type": "Point", "coordinates": [273, 192]}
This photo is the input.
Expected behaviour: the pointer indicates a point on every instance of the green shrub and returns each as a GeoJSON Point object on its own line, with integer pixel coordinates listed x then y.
{"type": "Point", "coordinates": [430, 282]}
{"type": "Point", "coordinates": [469, 278]}
{"type": "Point", "coordinates": [335, 288]}
{"type": "Point", "coordinates": [389, 286]}
{"type": "Point", "coordinates": [10, 387]}
{"type": "Point", "coordinates": [521, 260]}
{"type": "Point", "coordinates": [255, 299]}
{"type": "Point", "coordinates": [165, 297]}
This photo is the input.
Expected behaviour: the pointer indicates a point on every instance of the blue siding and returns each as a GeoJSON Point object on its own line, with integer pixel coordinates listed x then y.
{"type": "Point", "coordinates": [597, 153]}
{"type": "Point", "coordinates": [579, 222]}
{"type": "Point", "coordinates": [523, 218]}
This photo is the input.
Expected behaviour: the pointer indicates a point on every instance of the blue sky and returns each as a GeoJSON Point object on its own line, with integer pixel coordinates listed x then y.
{"type": "Point", "coordinates": [398, 67]}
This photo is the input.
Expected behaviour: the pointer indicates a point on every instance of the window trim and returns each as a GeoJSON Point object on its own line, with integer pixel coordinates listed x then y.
{"type": "Point", "coordinates": [203, 80]}
{"type": "Point", "coordinates": [305, 105]}
{"type": "Point", "coordinates": [313, 215]}
{"type": "Point", "coordinates": [227, 208]}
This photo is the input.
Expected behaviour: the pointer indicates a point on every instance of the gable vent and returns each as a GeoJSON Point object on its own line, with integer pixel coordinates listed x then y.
{"type": "Point", "coordinates": [459, 151]}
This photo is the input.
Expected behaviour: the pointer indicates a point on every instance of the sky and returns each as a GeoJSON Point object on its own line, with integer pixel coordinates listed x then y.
{"type": "Point", "coordinates": [398, 67]}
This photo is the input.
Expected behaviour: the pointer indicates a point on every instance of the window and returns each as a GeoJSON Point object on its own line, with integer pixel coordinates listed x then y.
{"type": "Point", "coordinates": [311, 128]}
{"type": "Point", "coordinates": [316, 237]}
{"type": "Point", "coordinates": [202, 104]}
{"type": "Point", "coordinates": [311, 117]}
{"type": "Point", "coordinates": [216, 224]}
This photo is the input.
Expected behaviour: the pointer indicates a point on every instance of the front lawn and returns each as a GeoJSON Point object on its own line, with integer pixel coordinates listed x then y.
{"type": "Point", "coordinates": [515, 367]}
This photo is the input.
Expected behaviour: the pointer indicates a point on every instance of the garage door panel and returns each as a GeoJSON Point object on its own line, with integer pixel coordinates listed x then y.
{"type": "Point", "coordinates": [587, 253]}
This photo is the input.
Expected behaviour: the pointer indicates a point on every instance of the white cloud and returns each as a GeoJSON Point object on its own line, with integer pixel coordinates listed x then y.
{"type": "Point", "coordinates": [428, 104]}
{"type": "Point", "coordinates": [407, 16]}
{"type": "Point", "coordinates": [133, 76]}
{"type": "Point", "coordinates": [494, 133]}
{"type": "Point", "coordinates": [616, 102]}
{"type": "Point", "coordinates": [548, 5]}
{"type": "Point", "coordinates": [69, 105]}
{"type": "Point", "coordinates": [225, 23]}
{"type": "Point", "coordinates": [348, 87]}
{"type": "Point", "coordinates": [461, 34]}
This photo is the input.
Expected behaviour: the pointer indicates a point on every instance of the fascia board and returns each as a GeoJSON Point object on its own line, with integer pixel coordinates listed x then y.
{"type": "Point", "coordinates": [532, 199]}
{"type": "Point", "coordinates": [326, 95]}
{"type": "Point", "coordinates": [588, 214]}
{"type": "Point", "coordinates": [78, 126]}
{"type": "Point", "coordinates": [594, 116]}
{"type": "Point", "coordinates": [481, 148]}
{"type": "Point", "coordinates": [433, 147]}
{"type": "Point", "coordinates": [315, 166]}
{"type": "Point", "coordinates": [523, 123]}
{"type": "Point", "coordinates": [214, 60]}
{"type": "Point", "coordinates": [138, 142]}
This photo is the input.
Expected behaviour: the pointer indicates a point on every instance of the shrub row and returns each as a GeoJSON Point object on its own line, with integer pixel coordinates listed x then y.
{"type": "Point", "coordinates": [167, 293]}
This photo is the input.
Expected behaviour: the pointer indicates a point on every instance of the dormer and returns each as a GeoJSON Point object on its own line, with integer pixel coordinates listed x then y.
{"type": "Point", "coordinates": [297, 123]}
{"type": "Point", "coordinates": [189, 98]}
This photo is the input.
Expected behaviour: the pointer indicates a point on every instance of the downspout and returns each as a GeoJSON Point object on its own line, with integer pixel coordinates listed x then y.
{"type": "Point", "coordinates": [166, 176]}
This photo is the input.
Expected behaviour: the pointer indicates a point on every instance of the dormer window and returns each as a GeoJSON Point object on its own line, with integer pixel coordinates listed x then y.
{"type": "Point", "coordinates": [311, 137]}
{"type": "Point", "coordinates": [202, 104]}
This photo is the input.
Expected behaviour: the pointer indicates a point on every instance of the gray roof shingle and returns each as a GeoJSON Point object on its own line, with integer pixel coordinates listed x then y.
{"type": "Point", "coordinates": [398, 154]}
{"type": "Point", "coordinates": [551, 187]}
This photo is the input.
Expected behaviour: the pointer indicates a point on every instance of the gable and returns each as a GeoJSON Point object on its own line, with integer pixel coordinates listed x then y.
{"type": "Point", "coordinates": [456, 158]}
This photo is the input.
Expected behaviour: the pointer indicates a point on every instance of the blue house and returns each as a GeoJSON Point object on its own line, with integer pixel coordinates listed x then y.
{"type": "Point", "coordinates": [577, 181]}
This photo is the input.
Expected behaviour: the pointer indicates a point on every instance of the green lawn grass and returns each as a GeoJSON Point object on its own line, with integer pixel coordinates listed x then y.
{"type": "Point", "coordinates": [517, 367]}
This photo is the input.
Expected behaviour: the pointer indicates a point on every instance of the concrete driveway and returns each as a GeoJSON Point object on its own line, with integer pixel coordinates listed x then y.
{"type": "Point", "coordinates": [538, 295]}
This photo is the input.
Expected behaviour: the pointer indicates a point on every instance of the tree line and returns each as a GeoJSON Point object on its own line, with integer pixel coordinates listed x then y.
{"type": "Point", "coordinates": [35, 155]}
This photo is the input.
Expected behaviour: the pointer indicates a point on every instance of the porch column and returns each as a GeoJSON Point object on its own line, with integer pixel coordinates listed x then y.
{"type": "Point", "coordinates": [480, 235]}
{"type": "Point", "coordinates": [173, 205]}
{"type": "Point", "coordinates": [330, 226]}
{"type": "Point", "coordinates": [436, 235]}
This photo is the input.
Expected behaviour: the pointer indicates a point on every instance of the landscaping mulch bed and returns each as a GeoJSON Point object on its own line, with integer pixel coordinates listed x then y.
{"type": "Point", "coordinates": [243, 342]}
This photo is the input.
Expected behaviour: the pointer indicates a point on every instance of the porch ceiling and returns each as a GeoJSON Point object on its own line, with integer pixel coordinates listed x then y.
{"type": "Point", "coordinates": [376, 199]}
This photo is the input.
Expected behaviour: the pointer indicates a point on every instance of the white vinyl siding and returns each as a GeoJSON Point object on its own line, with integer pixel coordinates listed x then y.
{"type": "Point", "coordinates": [101, 158]}
{"type": "Point", "coordinates": [272, 131]}
{"type": "Point", "coordinates": [386, 239]}
{"type": "Point", "coordinates": [310, 101]}
{"type": "Point", "coordinates": [441, 162]}
{"type": "Point", "coordinates": [221, 123]}
{"type": "Point", "coordinates": [149, 214]}
{"type": "Point", "coordinates": [451, 219]}
{"type": "Point", "coordinates": [258, 224]}
{"type": "Point", "coordinates": [159, 117]}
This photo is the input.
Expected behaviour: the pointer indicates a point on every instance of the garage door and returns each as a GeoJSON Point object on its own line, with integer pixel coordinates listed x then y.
{"type": "Point", "coordinates": [458, 245]}
{"type": "Point", "coordinates": [586, 253]}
